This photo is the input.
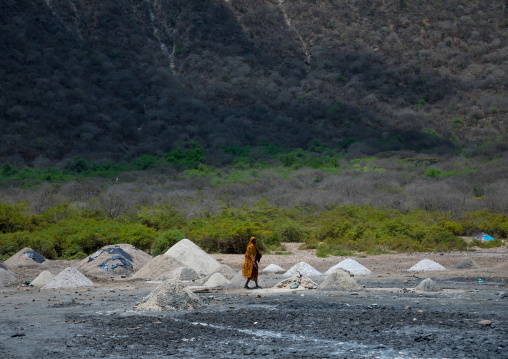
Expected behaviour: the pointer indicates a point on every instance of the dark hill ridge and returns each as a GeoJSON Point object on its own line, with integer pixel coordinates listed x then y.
{"type": "Point", "coordinates": [117, 79]}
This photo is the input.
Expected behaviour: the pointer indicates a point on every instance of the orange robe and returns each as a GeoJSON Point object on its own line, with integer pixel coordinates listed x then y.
{"type": "Point", "coordinates": [248, 263]}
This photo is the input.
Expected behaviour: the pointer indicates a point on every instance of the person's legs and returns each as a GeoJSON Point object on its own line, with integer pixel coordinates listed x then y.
{"type": "Point", "coordinates": [256, 281]}
{"type": "Point", "coordinates": [247, 283]}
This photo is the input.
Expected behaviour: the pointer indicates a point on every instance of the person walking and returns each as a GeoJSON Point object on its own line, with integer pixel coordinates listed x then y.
{"type": "Point", "coordinates": [250, 264]}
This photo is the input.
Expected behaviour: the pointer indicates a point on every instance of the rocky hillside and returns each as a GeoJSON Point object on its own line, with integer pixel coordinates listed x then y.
{"type": "Point", "coordinates": [112, 80]}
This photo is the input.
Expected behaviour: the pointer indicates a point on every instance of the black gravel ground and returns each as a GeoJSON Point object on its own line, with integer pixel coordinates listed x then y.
{"type": "Point", "coordinates": [377, 323]}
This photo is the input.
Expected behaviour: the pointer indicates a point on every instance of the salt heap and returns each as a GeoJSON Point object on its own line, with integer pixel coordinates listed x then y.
{"type": "Point", "coordinates": [302, 281]}
{"type": "Point", "coordinates": [466, 263]}
{"type": "Point", "coordinates": [181, 274]}
{"type": "Point", "coordinates": [237, 282]}
{"type": "Point", "coordinates": [6, 277]}
{"type": "Point", "coordinates": [427, 285]}
{"type": "Point", "coordinates": [157, 266]}
{"type": "Point", "coordinates": [216, 280]}
{"type": "Point", "coordinates": [426, 265]}
{"type": "Point", "coordinates": [273, 268]}
{"type": "Point", "coordinates": [302, 268]}
{"type": "Point", "coordinates": [340, 279]}
{"type": "Point", "coordinates": [117, 259]}
{"type": "Point", "coordinates": [193, 257]}
{"type": "Point", "coordinates": [25, 257]}
{"type": "Point", "coordinates": [351, 266]}
{"type": "Point", "coordinates": [170, 295]}
{"type": "Point", "coordinates": [226, 271]}
{"type": "Point", "coordinates": [43, 279]}
{"type": "Point", "coordinates": [69, 278]}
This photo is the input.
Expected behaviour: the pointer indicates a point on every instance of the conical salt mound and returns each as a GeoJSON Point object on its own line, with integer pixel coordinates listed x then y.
{"type": "Point", "coordinates": [6, 277]}
{"type": "Point", "coordinates": [340, 279]}
{"type": "Point", "coordinates": [157, 266]}
{"type": "Point", "coordinates": [426, 265]}
{"type": "Point", "coordinates": [216, 280]}
{"type": "Point", "coordinates": [427, 285]}
{"type": "Point", "coordinates": [302, 268]}
{"type": "Point", "coordinates": [226, 271]}
{"type": "Point", "coordinates": [237, 282]}
{"type": "Point", "coordinates": [273, 268]}
{"type": "Point", "coordinates": [181, 274]}
{"type": "Point", "coordinates": [69, 278]}
{"type": "Point", "coordinates": [351, 266]}
{"type": "Point", "coordinates": [466, 263]}
{"type": "Point", "coordinates": [193, 257]}
{"type": "Point", "coordinates": [302, 281]}
{"type": "Point", "coordinates": [43, 279]}
{"type": "Point", "coordinates": [25, 257]}
{"type": "Point", "coordinates": [170, 295]}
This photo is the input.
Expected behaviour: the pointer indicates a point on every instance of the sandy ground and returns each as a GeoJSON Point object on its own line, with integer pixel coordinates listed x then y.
{"type": "Point", "coordinates": [387, 319]}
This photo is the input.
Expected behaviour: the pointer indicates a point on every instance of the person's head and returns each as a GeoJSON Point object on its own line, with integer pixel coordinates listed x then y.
{"type": "Point", "coordinates": [253, 240]}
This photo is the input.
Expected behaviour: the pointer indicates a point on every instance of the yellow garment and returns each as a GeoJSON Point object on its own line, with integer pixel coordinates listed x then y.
{"type": "Point", "coordinates": [250, 255]}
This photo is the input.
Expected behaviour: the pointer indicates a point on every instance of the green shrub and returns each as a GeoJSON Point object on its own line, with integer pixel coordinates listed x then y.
{"type": "Point", "coordinates": [332, 249]}
{"type": "Point", "coordinates": [434, 173]}
{"type": "Point", "coordinates": [13, 218]}
{"type": "Point", "coordinates": [291, 231]}
{"type": "Point", "coordinates": [454, 227]}
{"type": "Point", "coordinates": [494, 224]}
{"type": "Point", "coordinates": [487, 244]}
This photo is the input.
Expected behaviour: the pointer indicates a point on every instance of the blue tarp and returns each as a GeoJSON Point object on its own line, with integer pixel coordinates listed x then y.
{"type": "Point", "coordinates": [484, 237]}
{"type": "Point", "coordinates": [110, 264]}
{"type": "Point", "coordinates": [118, 251]}
{"type": "Point", "coordinates": [35, 256]}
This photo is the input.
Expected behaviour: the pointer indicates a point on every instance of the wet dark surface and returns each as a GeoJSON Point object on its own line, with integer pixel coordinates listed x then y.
{"type": "Point", "coordinates": [377, 323]}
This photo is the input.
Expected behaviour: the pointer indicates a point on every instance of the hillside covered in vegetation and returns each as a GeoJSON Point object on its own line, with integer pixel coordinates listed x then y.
{"type": "Point", "coordinates": [113, 80]}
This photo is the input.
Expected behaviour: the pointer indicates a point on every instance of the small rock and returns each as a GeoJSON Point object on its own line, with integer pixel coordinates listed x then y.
{"type": "Point", "coordinates": [485, 322]}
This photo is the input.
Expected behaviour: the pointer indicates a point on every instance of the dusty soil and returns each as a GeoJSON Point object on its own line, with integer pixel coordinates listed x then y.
{"type": "Point", "coordinates": [387, 319]}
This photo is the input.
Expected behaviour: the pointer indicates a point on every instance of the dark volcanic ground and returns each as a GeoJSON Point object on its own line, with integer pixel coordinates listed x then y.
{"type": "Point", "coordinates": [386, 322]}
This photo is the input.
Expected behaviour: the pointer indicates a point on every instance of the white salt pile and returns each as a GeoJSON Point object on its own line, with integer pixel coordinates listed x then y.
{"type": "Point", "coordinates": [181, 274]}
{"type": "Point", "coordinates": [43, 279]}
{"type": "Point", "coordinates": [170, 295]}
{"type": "Point", "coordinates": [159, 265]}
{"type": "Point", "coordinates": [351, 266]}
{"type": "Point", "coordinates": [427, 285]}
{"type": "Point", "coordinates": [340, 279]}
{"type": "Point", "coordinates": [302, 281]}
{"type": "Point", "coordinates": [273, 268]}
{"type": "Point", "coordinates": [193, 257]}
{"type": "Point", "coordinates": [114, 260]}
{"type": "Point", "coordinates": [216, 280]}
{"type": "Point", "coordinates": [302, 268]}
{"type": "Point", "coordinates": [6, 277]}
{"type": "Point", "coordinates": [69, 278]}
{"type": "Point", "coordinates": [466, 263]}
{"type": "Point", "coordinates": [25, 257]}
{"type": "Point", "coordinates": [426, 265]}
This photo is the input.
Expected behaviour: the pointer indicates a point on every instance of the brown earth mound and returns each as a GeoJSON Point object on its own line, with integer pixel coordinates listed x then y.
{"type": "Point", "coordinates": [466, 263]}
{"type": "Point", "coordinates": [170, 295]}
{"type": "Point", "coordinates": [340, 279]}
